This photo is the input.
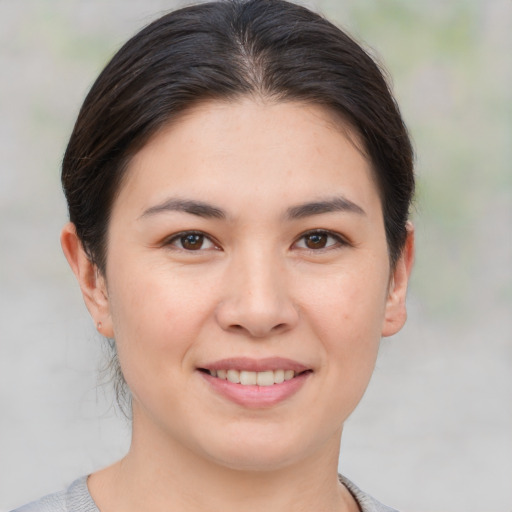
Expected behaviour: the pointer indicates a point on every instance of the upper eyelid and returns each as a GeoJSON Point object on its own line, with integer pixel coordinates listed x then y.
{"type": "Point", "coordinates": [327, 232]}
{"type": "Point", "coordinates": [187, 232]}
{"type": "Point", "coordinates": [169, 239]}
{"type": "Point", "coordinates": [340, 238]}
{"type": "Point", "coordinates": [341, 242]}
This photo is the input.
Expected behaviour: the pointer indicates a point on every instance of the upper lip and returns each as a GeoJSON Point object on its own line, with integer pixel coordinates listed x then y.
{"type": "Point", "coordinates": [256, 365]}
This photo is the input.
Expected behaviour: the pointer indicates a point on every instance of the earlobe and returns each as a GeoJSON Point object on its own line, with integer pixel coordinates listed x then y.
{"type": "Point", "coordinates": [91, 281]}
{"type": "Point", "coordinates": [396, 312]}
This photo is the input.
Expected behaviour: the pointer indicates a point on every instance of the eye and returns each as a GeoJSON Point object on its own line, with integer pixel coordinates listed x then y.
{"type": "Point", "coordinates": [191, 241]}
{"type": "Point", "coordinates": [317, 240]}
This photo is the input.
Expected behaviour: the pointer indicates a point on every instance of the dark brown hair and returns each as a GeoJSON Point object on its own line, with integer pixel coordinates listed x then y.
{"type": "Point", "coordinates": [223, 50]}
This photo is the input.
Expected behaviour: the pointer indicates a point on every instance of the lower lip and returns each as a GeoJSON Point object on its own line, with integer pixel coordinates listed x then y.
{"type": "Point", "coordinates": [256, 396]}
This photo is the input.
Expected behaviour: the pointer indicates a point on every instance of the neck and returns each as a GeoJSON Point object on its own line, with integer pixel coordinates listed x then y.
{"type": "Point", "coordinates": [156, 473]}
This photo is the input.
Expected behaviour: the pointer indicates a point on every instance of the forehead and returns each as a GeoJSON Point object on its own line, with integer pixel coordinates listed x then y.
{"type": "Point", "coordinates": [252, 149]}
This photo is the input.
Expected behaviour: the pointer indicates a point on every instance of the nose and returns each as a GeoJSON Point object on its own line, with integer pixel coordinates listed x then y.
{"type": "Point", "coordinates": [257, 300]}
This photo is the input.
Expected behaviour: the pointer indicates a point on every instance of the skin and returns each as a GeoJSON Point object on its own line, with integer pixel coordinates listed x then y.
{"type": "Point", "coordinates": [253, 289]}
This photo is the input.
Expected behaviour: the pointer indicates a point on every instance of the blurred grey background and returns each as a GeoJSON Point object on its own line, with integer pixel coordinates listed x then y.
{"type": "Point", "coordinates": [434, 431]}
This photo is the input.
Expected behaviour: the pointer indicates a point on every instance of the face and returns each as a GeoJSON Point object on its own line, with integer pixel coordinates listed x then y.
{"type": "Point", "coordinates": [247, 243]}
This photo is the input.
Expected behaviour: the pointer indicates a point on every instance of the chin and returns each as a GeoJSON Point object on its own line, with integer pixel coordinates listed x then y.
{"type": "Point", "coordinates": [257, 460]}
{"type": "Point", "coordinates": [259, 452]}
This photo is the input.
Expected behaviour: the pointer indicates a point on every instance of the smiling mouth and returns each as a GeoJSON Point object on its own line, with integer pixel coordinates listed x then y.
{"type": "Point", "coordinates": [249, 378]}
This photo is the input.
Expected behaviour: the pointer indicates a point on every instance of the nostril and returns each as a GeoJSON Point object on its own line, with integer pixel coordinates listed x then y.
{"type": "Point", "coordinates": [257, 332]}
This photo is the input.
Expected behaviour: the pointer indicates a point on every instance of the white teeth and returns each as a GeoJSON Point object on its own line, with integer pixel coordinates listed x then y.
{"type": "Point", "coordinates": [246, 378]}
{"type": "Point", "coordinates": [233, 376]}
{"type": "Point", "coordinates": [288, 374]}
{"type": "Point", "coordinates": [265, 378]}
{"type": "Point", "coordinates": [279, 376]}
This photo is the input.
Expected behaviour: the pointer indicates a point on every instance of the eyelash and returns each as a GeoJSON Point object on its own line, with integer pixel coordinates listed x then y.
{"type": "Point", "coordinates": [180, 236]}
{"type": "Point", "coordinates": [339, 241]}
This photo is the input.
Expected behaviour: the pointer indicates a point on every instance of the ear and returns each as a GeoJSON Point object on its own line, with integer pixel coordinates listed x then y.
{"type": "Point", "coordinates": [396, 312]}
{"type": "Point", "coordinates": [92, 282]}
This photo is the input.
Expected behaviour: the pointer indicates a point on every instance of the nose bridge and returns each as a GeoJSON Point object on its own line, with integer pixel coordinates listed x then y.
{"type": "Point", "coordinates": [262, 279]}
{"type": "Point", "coordinates": [258, 299]}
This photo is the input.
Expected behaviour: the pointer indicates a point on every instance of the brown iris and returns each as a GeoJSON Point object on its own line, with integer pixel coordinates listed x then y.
{"type": "Point", "coordinates": [316, 240]}
{"type": "Point", "coordinates": [192, 241]}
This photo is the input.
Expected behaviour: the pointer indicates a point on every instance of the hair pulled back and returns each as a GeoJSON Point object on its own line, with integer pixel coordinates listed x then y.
{"type": "Point", "coordinates": [223, 50]}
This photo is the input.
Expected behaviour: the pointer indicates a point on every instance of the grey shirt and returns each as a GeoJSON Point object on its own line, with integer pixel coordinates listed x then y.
{"type": "Point", "coordinates": [77, 499]}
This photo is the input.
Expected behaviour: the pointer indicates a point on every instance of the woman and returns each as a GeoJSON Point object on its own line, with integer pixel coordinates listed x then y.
{"type": "Point", "coordinates": [238, 183]}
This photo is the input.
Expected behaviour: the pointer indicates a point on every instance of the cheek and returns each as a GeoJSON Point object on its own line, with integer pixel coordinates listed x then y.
{"type": "Point", "coordinates": [346, 314]}
{"type": "Point", "coordinates": [348, 305]}
{"type": "Point", "coordinates": [350, 333]}
{"type": "Point", "coordinates": [156, 318]}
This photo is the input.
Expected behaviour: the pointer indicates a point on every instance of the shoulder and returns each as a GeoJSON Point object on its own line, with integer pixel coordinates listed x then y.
{"type": "Point", "coordinates": [366, 502]}
{"type": "Point", "coordinates": [75, 499]}
{"type": "Point", "coordinates": [51, 503]}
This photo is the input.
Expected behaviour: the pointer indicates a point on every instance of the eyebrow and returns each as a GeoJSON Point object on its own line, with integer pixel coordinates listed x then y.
{"type": "Point", "coordinates": [334, 204]}
{"type": "Point", "coordinates": [197, 208]}
{"type": "Point", "coordinates": [205, 210]}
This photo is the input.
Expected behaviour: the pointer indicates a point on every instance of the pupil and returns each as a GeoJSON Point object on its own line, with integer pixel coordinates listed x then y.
{"type": "Point", "coordinates": [316, 241]}
{"type": "Point", "coordinates": [192, 242]}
